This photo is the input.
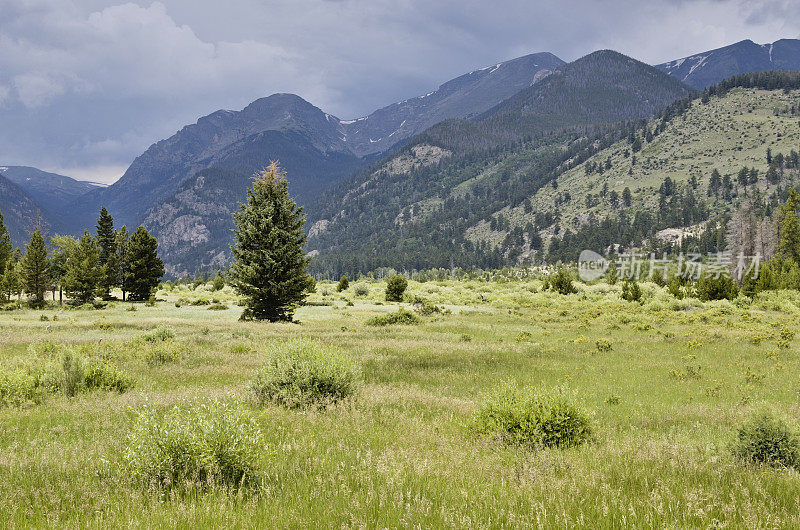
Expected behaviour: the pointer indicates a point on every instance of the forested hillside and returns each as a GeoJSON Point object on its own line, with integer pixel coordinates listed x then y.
{"type": "Point", "coordinates": [415, 208]}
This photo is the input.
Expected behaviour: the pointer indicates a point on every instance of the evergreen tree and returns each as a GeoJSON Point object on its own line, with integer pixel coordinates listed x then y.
{"type": "Point", "coordinates": [107, 254]}
{"type": "Point", "coordinates": [83, 271]}
{"type": "Point", "coordinates": [63, 247]}
{"type": "Point", "coordinates": [35, 269]}
{"type": "Point", "coordinates": [143, 268]}
{"type": "Point", "coordinates": [122, 241]}
{"type": "Point", "coordinates": [270, 266]}
{"type": "Point", "coordinates": [9, 283]}
{"type": "Point", "coordinates": [789, 228]}
{"type": "Point", "coordinates": [344, 283]}
{"type": "Point", "coordinates": [626, 197]}
{"type": "Point", "coordinates": [5, 245]}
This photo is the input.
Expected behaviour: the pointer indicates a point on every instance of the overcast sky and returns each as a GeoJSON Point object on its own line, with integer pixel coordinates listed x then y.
{"type": "Point", "coordinates": [86, 85]}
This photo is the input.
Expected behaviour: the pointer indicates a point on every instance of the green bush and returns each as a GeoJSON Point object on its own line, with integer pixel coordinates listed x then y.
{"type": "Point", "coordinates": [361, 290]}
{"type": "Point", "coordinates": [103, 375]}
{"type": "Point", "coordinates": [217, 307]}
{"type": "Point", "coordinates": [209, 445]}
{"type": "Point", "coordinates": [17, 387]}
{"type": "Point", "coordinates": [561, 282]}
{"type": "Point", "coordinates": [200, 301]}
{"type": "Point", "coordinates": [395, 287]}
{"type": "Point", "coordinates": [764, 439]}
{"type": "Point", "coordinates": [631, 292]}
{"type": "Point", "coordinates": [343, 284]}
{"type": "Point", "coordinates": [711, 287]}
{"type": "Point", "coordinates": [300, 374]}
{"type": "Point", "coordinates": [163, 353]}
{"type": "Point", "coordinates": [75, 374]}
{"type": "Point", "coordinates": [159, 334]}
{"type": "Point", "coordinates": [533, 419]}
{"type": "Point", "coordinates": [401, 317]}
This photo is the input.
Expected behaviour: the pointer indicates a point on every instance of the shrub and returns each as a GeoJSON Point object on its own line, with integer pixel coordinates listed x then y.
{"type": "Point", "coordinates": [200, 301]}
{"type": "Point", "coordinates": [162, 353]}
{"type": "Point", "coordinates": [212, 444]}
{"type": "Point", "coordinates": [75, 374]}
{"type": "Point", "coordinates": [764, 439]}
{"type": "Point", "coordinates": [159, 334]}
{"type": "Point", "coordinates": [17, 387]}
{"type": "Point", "coordinates": [561, 282]}
{"type": "Point", "coordinates": [631, 292]}
{"type": "Point", "coordinates": [720, 287]}
{"type": "Point", "coordinates": [217, 307]}
{"type": "Point", "coordinates": [603, 345]}
{"type": "Point", "coordinates": [395, 287]}
{"type": "Point", "coordinates": [103, 375]}
{"type": "Point", "coordinates": [218, 283]}
{"type": "Point", "coordinates": [425, 308]}
{"type": "Point", "coordinates": [361, 290]}
{"type": "Point", "coordinates": [534, 419]}
{"type": "Point", "coordinates": [401, 317]}
{"type": "Point", "coordinates": [300, 374]}
{"type": "Point", "coordinates": [343, 284]}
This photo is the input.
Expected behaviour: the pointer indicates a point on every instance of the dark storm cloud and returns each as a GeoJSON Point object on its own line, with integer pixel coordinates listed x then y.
{"type": "Point", "coordinates": [86, 85]}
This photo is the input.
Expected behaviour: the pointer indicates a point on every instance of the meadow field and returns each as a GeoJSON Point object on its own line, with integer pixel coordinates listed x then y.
{"type": "Point", "coordinates": [665, 383]}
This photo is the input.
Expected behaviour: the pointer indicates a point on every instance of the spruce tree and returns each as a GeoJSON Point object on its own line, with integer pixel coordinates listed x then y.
{"type": "Point", "coordinates": [35, 269]}
{"type": "Point", "coordinates": [107, 254]}
{"type": "Point", "coordinates": [9, 283]}
{"type": "Point", "coordinates": [143, 267]}
{"type": "Point", "coordinates": [122, 241]}
{"type": "Point", "coordinates": [82, 270]}
{"type": "Point", "coordinates": [789, 228]}
{"type": "Point", "coordinates": [63, 247]}
{"type": "Point", "coordinates": [5, 245]}
{"type": "Point", "coordinates": [270, 265]}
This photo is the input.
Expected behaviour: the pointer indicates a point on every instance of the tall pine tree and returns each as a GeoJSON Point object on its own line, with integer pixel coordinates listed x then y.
{"type": "Point", "coordinates": [122, 240]}
{"type": "Point", "coordinates": [35, 269]}
{"type": "Point", "coordinates": [82, 271]}
{"type": "Point", "coordinates": [143, 267]}
{"type": "Point", "coordinates": [107, 254]}
{"type": "Point", "coordinates": [270, 265]}
{"type": "Point", "coordinates": [789, 228]}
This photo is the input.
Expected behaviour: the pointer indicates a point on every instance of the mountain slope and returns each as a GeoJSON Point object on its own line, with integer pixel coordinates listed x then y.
{"type": "Point", "coordinates": [702, 70]}
{"type": "Point", "coordinates": [413, 209]}
{"type": "Point", "coordinates": [463, 97]}
{"type": "Point", "coordinates": [315, 148]}
{"type": "Point", "coordinates": [51, 190]}
{"type": "Point", "coordinates": [159, 171]}
{"type": "Point", "coordinates": [744, 128]}
{"type": "Point", "coordinates": [20, 211]}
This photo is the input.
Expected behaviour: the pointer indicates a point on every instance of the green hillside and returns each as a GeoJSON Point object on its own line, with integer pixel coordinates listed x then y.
{"type": "Point", "coordinates": [726, 134]}
{"type": "Point", "coordinates": [415, 208]}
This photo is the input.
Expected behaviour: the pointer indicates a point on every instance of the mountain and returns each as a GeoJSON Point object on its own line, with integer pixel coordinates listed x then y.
{"type": "Point", "coordinates": [702, 70]}
{"type": "Point", "coordinates": [463, 97]}
{"type": "Point", "coordinates": [20, 211]}
{"type": "Point", "coordinates": [168, 186]}
{"type": "Point", "coordinates": [50, 190]}
{"type": "Point", "coordinates": [308, 142]}
{"type": "Point", "coordinates": [414, 208]}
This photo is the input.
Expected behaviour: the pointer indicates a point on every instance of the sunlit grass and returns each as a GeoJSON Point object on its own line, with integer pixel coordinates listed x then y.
{"type": "Point", "coordinates": [403, 452]}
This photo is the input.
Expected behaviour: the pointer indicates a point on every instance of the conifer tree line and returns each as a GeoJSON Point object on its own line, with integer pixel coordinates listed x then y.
{"type": "Point", "coordinates": [81, 269]}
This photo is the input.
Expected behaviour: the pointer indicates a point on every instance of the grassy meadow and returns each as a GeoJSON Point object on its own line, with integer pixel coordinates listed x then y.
{"type": "Point", "coordinates": [666, 384]}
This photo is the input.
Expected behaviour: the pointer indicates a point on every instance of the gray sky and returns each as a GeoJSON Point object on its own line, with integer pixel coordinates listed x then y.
{"type": "Point", "coordinates": [86, 85]}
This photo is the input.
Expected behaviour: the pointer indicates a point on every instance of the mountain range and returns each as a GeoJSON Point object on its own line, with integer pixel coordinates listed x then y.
{"type": "Point", "coordinates": [359, 179]}
{"type": "Point", "coordinates": [702, 70]}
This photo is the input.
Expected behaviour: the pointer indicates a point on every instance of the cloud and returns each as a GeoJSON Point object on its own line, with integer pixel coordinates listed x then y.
{"type": "Point", "coordinates": [84, 83]}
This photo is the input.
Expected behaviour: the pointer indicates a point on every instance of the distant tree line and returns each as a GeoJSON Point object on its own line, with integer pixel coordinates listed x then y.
{"type": "Point", "coordinates": [84, 268]}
